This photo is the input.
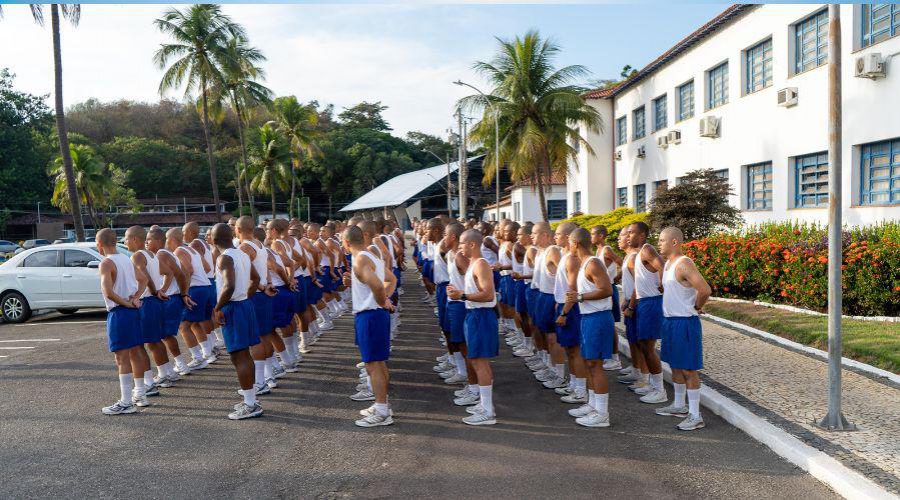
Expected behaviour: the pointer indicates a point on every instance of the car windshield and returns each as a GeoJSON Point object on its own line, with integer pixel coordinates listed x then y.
{"type": "Point", "coordinates": [41, 242]}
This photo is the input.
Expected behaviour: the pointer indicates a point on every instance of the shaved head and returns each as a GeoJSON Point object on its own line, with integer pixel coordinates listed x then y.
{"type": "Point", "coordinates": [245, 223]}
{"type": "Point", "coordinates": [672, 233]}
{"type": "Point", "coordinates": [368, 227]}
{"type": "Point", "coordinates": [136, 232]}
{"type": "Point", "coordinates": [472, 236]}
{"type": "Point", "coordinates": [541, 227]}
{"type": "Point", "coordinates": [190, 228]}
{"type": "Point", "coordinates": [455, 228]}
{"type": "Point", "coordinates": [566, 228]}
{"type": "Point", "coordinates": [353, 235]}
{"type": "Point", "coordinates": [106, 237]}
{"type": "Point", "coordinates": [156, 234]}
{"type": "Point", "coordinates": [175, 234]}
{"type": "Point", "coordinates": [581, 237]}
{"type": "Point", "coordinates": [222, 235]}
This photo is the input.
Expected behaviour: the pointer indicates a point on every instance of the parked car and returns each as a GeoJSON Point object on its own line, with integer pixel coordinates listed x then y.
{"type": "Point", "coordinates": [62, 277]}
{"type": "Point", "coordinates": [8, 247]}
{"type": "Point", "coordinates": [29, 244]}
{"type": "Point", "coordinates": [63, 240]}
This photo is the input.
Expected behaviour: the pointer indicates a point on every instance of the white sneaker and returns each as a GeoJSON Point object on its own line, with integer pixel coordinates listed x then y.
{"type": "Point", "coordinates": [447, 374]}
{"type": "Point", "coordinates": [461, 392]}
{"type": "Point", "coordinates": [545, 374]}
{"type": "Point", "coordinates": [442, 367]}
{"type": "Point", "coordinates": [362, 386]}
{"type": "Point", "coordinates": [655, 397]}
{"type": "Point", "coordinates": [472, 410]}
{"type": "Point", "coordinates": [627, 370]}
{"type": "Point", "coordinates": [375, 420]}
{"type": "Point", "coordinates": [197, 364]}
{"type": "Point", "coordinates": [183, 370]}
{"type": "Point", "coordinates": [456, 379]}
{"type": "Point", "coordinates": [164, 382]}
{"type": "Point", "coordinates": [371, 411]}
{"type": "Point", "coordinates": [278, 370]}
{"type": "Point", "coordinates": [261, 390]}
{"type": "Point", "coordinates": [442, 358]}
{"type": "Point", "coordinates": [629, 378]}
{"type": "Point", "coordinates": [574, 398]}
{"type": "Point", "coordinates": [480, 419]}
{"type": "Point", "coordinates": [612, 364]}
{"type": "Point", "coordinates": [363, 396]}
{"type": "Point", "coordinates": [245, 411]}
{"type": "Point", "coordinates": [555, 382]}
{"type": "Point", "coordinates": [361, 365]}
{"type": "Point", "coordinates": [119, 408]}
{"type": "Point", "coordinates": [291, 367]}
{"type": "Point", "coordinates": [212, 358]}
{"type": "Point", "coordinates": [271, 383]}
{"type": "Point", "coordinates": [691, 423]}
{"type": "Point", "coordinates": [563, 391]}
{"type": "Point", "coordinates": [594, 420]}
{"type": "Point", "coordinates": [643, 390]}
{"type": "Point", "coordinates": [581, 411]}
{"type": "Point", "coordinates": [139, 400]}
{"type": "Point", "coordinates": [673, 411]}
{"type": "Point", "coordinates": [467, 399]}
{"type": "Point", "coordinates": [522, 352]}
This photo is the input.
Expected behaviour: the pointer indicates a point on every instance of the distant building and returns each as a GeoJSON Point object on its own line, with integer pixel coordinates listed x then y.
{"type": "Point", "coordinates": [523, 202]}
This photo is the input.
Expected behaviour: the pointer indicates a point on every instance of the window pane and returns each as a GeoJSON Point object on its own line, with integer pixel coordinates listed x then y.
{"type": "Point", "coordinates": [811, 38]}
{"type": "Point", "coordinates": [77, 258]}
{"type": "Point", "coordinates": [880, 173]}
{"type": "Point", "coordinates": [640, 198]}
{"type": "Point", "coordinates": [638, 120]}
{"type": "Point", "coordinates": [811, 180]}
{"type": "Point", "coordinates": [660, 118]}
{"type": "Point", "coordinates": [46, 258]}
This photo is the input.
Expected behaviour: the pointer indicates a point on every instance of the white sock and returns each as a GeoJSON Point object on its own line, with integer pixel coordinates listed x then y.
{"type": "Point", "coordinates": [179, 361]}
{"type": "Point", "coordinates": [267, 370]}
{"type": "Point", "coordinates": [369, 383]}
{"type": "Point", "coordinates": [250, 396]}
{"type": "Point", "coordinates": [460, 364]}
{"type": "Point", "coordinates": [601, 403]}
{"type": "Point", "coordinates": [580, 384]}
{"type": "Point", "coordinates": [196, 352]}
{"type": "Point", "coordinates": [572, 385]}
{"type": "Point", "coordinates": [645, 378]}
{"type": "Point", "coordinates": [169, 371]}
{"type": "Point", "coordinates": [148, 378]}
{"type": "Point", "coordinates": [487, 398]}
{"type": "Point", "coordinates": [656, 381]}
{"type": "Point", "coordinates": [219, 335]}
{"type": "Point", "coordinates": [679, 394]}
{"type": "Point", "coordinates": [139, 387]}
{"type": "Point", "coordinates": [259, 372]}
{"type": "Point", "coordinates": [591, 398]}
{"type": "Point", "coordinates": [615, 356]}
{"type": "Point", "coordinates": [304, 339]}
{"type": "Point", "coordinates": [382, 409]}
{"type": "Point", "coordinates": [162, 370]}
{"type": "Point", "coordinates": [693, 396]}
{"type": "Point", "coordinates": [126, 385]}
{"type": "Point", "coordinates": [206, 347]}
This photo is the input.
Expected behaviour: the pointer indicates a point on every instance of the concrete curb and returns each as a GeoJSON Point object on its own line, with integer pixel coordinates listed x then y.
{"type": "Point", "coordinates": [785, 307]}
{"type": "Point", "coordinates": [790, 344]}
{"type": "Point", "coordinates": [843, 480]}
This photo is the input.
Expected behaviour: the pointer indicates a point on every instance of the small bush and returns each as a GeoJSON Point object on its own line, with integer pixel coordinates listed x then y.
{"type": "Point", "coordinates": [614, 222]}
{"type": "Point", "coordinates": [698, 206]}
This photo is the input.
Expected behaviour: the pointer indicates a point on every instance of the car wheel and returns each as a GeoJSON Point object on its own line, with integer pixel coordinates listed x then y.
{"type": "Point", "coordinates": [14, 308]}
{"type": "Point", "coordinates": [68, 310]}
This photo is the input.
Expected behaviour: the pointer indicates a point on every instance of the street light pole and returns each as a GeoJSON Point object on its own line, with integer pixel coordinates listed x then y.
{"type": "Point", "coordinates": [447, 163]}
{"type": "Point", "coordinates": [496, 113]}
{"type": "Point", "coordinates": [463, 170]}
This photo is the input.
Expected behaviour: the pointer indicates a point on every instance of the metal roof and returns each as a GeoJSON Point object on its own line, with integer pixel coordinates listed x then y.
{"type": "Point", "coordinates": [399, 189]}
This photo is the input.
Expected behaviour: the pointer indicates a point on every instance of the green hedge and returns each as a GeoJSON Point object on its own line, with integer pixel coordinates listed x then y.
{"type": "Point", "coordinates": [614, 222]}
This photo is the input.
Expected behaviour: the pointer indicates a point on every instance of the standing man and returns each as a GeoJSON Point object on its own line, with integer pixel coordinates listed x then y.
{"type": "Point", "coordinates": [613, 262]}
{"type": "Point", "coordinates": [174, 281]}
{"type": "Point", "coordinates": [685, 292]}
{"type": "Point", "coordinates": [121, 289]}
{"type": "Point", "coordinates": [480, 326]}
{"type": "Point", "coordinates": [636, 374]}
{"type": "Point", "coordinates": [151, 310]}
{"type": "Point", "coordinates": [193, 318]}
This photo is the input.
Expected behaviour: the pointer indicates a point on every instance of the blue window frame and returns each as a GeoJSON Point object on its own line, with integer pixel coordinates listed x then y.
{"type": "Point", "coordinates": [811, 180]}
{"type": "Point", "coordinates": [621, 130]}
{"type": "Point", "coordinates": [556, 209]}
{"type": "Point", "coordinates": [879, 22]}
{"type": "Point", "coordinates": [686, 101]}
{"type": "Point", "coordinates": [660, 117]}
{"type": "Point", "coordinates": [759, 186]}
{"type": "Point", "coordinates": [640, 198]}
{"type": "Point", "coordinates": [639, 123]}
{"type": "Point", "coordinates": [577, 196]}
{"type": "Point", "coordinates": [880, 169]}
{"type": "Point", "coordinates": [811, 42]}
{"type": "Point", "coordinates": [660, 186]}
{"type": "Point", "coordinates": [621, 197]}
{"type": "Point", "coordinates": [717, 86]}
{"type": "Point", "coordinates": [758, 60]}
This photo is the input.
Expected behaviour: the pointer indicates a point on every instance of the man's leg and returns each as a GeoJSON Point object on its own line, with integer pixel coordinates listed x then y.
{"type": "Point", "coordinates": [656, 393]}
{"type": "Point", "coordinates": [140, 364]}
{"type": "Point", "coordinates": [485, 377]}
{"type": "Point", "coordinates": [126, 385]}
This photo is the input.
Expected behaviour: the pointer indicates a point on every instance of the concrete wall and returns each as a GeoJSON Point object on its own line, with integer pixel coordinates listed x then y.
{"type": "Point", "coordinates": [592, 174]}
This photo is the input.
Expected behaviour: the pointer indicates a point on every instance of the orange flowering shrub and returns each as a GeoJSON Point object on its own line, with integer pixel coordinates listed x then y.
{"type": "Point", "coordinates": [788, 264]}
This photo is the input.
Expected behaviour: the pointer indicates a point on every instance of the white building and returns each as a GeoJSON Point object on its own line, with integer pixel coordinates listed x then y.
{"type": "Point", "coordinates": [756, 77]}
{"type": "Point", "coordinates": [523, 203]}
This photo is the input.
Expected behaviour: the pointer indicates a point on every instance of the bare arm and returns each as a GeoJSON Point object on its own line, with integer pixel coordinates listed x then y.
{"type": "Point", "coordinates": [108, 280]}
{"type": "Point", "coordinates": [573, 264]}
{"type": "Point", "coordinates": [484, 280]}
{"type": "Point", "coordinates": [226, 266]}
{"type": "Point", "coordinates": [687, 273]}
{"type": "Point", "coordinates": [201, 249]}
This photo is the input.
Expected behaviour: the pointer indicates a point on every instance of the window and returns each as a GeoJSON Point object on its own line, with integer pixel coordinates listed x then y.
{"type": "Point", "coordinates": [517, 211]}
{"type": "Point", "coordinates": [811, 180]}
{"type": "Point", "coordinates": [638, 120]}
{"type": "Point", "coordinates": [758, 60]}
{"type": "Point", "coordinates": [660, 119]}
{"type": "Point", "coordinates": [759, 186]}
{"type": "Point", "coordinates": [811, 42]}
{"type": "Point", "coordinates": [77, 258]}
{"type": "Point", "coordinates": [556, 209]}
{"type": "Point", "coordinates": [880, 169]}
{"type": "Point", "coordinates": [879, 22]}
{"type": "Point", "coordinates": [723, 173]}
{"type": "Point", "coordinates": [686, 101]}
{"type": "Point", "coordinates": [45, 258]}
{"type": "Point", "coordinates": [660, 186]}
{"type": "Point", "coordinates": [717, 86]}
{"type": "Point", "coordinates": [640, 198]}
{"type": "Point", "coordinates": [621, 197]}
{"type": "Point", "coordinates": [577, 196]}
{"type": "Point", "coordinates": [621, 133]}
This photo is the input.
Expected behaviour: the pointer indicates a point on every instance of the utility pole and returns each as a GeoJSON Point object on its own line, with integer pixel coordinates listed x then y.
{"type": "Point", "coordinates": [834, 420]}
{"type": "Point", "coordinates": [449, 203]}
{"type": "Point", "coordinates": [463, 168]}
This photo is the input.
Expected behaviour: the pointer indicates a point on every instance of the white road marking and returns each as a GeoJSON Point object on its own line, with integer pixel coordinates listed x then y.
{"type": "Point", "coordinates": [42, 323]}
{"type": "Point", "coordinates": [4, 356]}
{"type": "Point", "coordinates": [30, 340]}
{"type": "Point", "coordinates": [18, 347]}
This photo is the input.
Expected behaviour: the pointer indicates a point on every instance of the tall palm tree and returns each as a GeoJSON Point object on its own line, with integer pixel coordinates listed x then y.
{"type": "Point", "coordinates": [540, 111]}
{"type": "Point", "coordinates": [298, 123]}
{"type": "Point", "coordinates": [200, 34]}
{"type": "Point", "coordinates": [92, 182]}
{"type": "Point", "coordinates": [72, 13]}
{"type": "Point", "coordinates": [269, 161]}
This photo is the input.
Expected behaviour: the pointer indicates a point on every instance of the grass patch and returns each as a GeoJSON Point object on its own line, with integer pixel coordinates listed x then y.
{"type": "Point", "coordinates": [872, 342]}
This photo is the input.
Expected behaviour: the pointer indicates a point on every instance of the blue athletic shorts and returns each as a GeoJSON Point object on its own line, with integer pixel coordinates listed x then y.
{"type": "Point", "coordinates": [263, 308]}
{"type": "Point", "coordinates": [521, 300]}
{"type": "Point", "coordinates": [428, 270]}
{"type": "Point", "coordinates": [569, 335]}
{"type": "Point", "coordinates": [299, 299]}
{"type": "Point", "coordinates": [172, 310]}
{"type": "Point", "coordinates": [441, 295]}
{"type": "Point", "coordinates": [682, 343]}
{"type": "Point", "coordinates": [496, 275]}
{"type": "Point", "coordinates": [481, 331]}
{"type": "Point", "coordinates": [531, 296]}
{"type": "Point", "coordinates": [456, 321]}
{"type": "Point", "coordinates": [151, 312]}
{"type": "Point", "coordinates": [282, 307]}
{"type": "Point", "coordinates": [213, 297]}
{"type": "Point", "coordinates": [240, 328]}
{"type": "Point", "coordinates": [373, 334]}
{"type": "Point", "coordinates": [200, 296]}
{"type": "Point", "coordinates": [649, 318]}
{"type": "Point", "coordinates": [616, 309]}
{"type": "Point", "coordinates": [399, 276]}
{"type": "Point", "coordinates": [630, 328]}
{"type": "Point", "coordinates": [123, 328]}
{"type": "Point", "coordinates": [326, 279]}
{"type": "Point", "coordinates": [597, 332]}
{"type": "Point", "coordinates": [544, 313]}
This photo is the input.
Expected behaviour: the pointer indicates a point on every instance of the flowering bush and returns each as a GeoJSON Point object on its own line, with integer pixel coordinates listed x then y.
{"type": "Point", "coordinates": [787, 263]}
{"type": "Point", "coordinates": [614, 222]}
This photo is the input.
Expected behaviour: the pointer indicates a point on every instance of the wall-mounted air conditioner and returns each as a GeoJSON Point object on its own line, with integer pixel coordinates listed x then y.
{"type": "Point", "coordinates": [870, 66]}
{"type": "Point", "coordinates": [662, 141]}
{"type": "Point", "coordinates": [674, 137]}
{"type": "Point", "coordinates": [709, 126]}
{"type": "Point", "coordinates": [641, 152]}
{"type": "Point", "coordinates": [618, 155]}
{"type": "Point", "coordinates": [787, 97]}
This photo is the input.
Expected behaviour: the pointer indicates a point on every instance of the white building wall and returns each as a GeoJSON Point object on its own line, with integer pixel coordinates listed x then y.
{"type": "Point", "coordinates": [592, 174]}
{"type": "Point", "coordinates": [753, 128]}
{"type": "Point", "coordinates": [529, 201]}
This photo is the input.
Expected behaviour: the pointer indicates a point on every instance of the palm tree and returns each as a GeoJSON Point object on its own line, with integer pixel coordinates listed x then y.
{"type": "Point", "coordinates": [92, 181]}
{"type": "Point", "coordinates": [200, 33]}
{"type": "Point", "coordinates": [72, 13]}
{"type": "Point", "coordinates": [298, 123]}
{"type": "Point", "coordinates": [539, 111]}
{"type": "Point", "coordinates": [268, 166]}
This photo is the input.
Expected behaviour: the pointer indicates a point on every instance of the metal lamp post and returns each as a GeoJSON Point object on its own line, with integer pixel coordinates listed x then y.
{"type": "Point", "coordinates": [449, 207]}
{"type": "Point", "coordinates": [496, 114]}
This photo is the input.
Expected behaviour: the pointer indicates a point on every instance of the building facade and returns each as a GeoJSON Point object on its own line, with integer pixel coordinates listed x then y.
{"type": "Point", "coordinates": [746, 96]}
{"type": "Point", "coordinates": [523, 204]}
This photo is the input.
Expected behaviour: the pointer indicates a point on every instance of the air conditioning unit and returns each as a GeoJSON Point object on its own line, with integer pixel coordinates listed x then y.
{"type": "Point", "coordinates": [787, 97]}
{"type": "Point", "coordinates": [674, 137]}
{"type": "Point", "coordinates": [618, 155]}
{"type": "Point", "coordinates": [641, 152]}
{"type": "Point", "coordinates": [662, 141]}
{"type": "Point", "coordinates": [709, 126]}
{"type": "Point", "coordinates": [870, 66]}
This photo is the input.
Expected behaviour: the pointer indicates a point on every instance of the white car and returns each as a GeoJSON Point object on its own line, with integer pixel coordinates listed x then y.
{"type": "Point", "coordinates": [64, 277]}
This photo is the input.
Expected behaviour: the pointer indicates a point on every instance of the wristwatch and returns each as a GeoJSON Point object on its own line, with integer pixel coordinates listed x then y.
{"type": "Point", "coordinates": [463, 297]}
{"type": "Point", "coordinates": [562, 314]}
{"type": "Point", "coordinates": [580, 297]}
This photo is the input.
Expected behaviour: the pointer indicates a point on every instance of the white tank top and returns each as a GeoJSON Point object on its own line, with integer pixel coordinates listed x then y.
{"type": "Point", "coordinates": [260, 262]}
{"type": "Point", "coordinates": [537, 274]}
{"type": "Point", "coordinates": [489, 255]}
{"type": "Point", "coordinates": [678, 300]}
{"type": "Point", "coordinates": [547, 281]}
{"type": "Point", "coordinates": [526, 268]}
{"type": "Point", "coordinates": [429, 250]}
{"type": "Point", "coordinates": [435, 255]}
{"type": "Point", "coordinates": [390, 246]}
{"type": "Point", "coordinates": [456, 278]}
{"type": "Point", "coordinates": [198, 275]}
{"type": "Point", "coordinates": [646, 282]}
{"type": "Point", "coordinates": [326, 255]}
{"type": "Point", "coordinates": [471, 287]}
{"type": "Point", "coordinates": [441, 271]}
{"type": "Point", "coordinates": [363, 298]}
{"type": "Point", "coordinates": [173, 285]}
{"type": "Point", "coordinates": [152, 272]}
{"type": "Point", "coordinates": [612, 268]}
{"type": "Point", "coordinates": [126, 284]}
{"type": "Point", "coordinates": [241, 274]}
{"type": "Point", "coordinates": [561, 283]}
{"type": "Point", "coordinates": [505, 259]}
{"type": "Point", "coordinates": [585, 285]}
{"type": "Point", "coordinates": [627, 277]}
{"type": "Point", "coordinates": [207, 256]}
{"type": "Point", "coordinates": [275, 277]}
{"type": "Point", "coordinates": [297, 247]}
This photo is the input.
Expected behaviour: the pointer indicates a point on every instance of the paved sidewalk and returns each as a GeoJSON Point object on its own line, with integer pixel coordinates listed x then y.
{"type": "Point", "coordinates": [790, 390]}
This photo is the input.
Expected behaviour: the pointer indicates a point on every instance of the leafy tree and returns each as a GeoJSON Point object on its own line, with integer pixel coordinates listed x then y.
{"type": "Point", "coordinates": [25, 148]}
{"type": "Point", "coordinates": [269, 166]}
{"type": "Point", "coordinates": [155, 167]}
{"type": "Point", "coordinates": [698, 205]}
{"type": "Point", "coordinates": [428, 142]}
{"type": "Point", "coordinates": [365, 115]}
{"type": "Point", "coordinates": [297, 122]}
{"type": "Point", "coordinates": [92, 181]}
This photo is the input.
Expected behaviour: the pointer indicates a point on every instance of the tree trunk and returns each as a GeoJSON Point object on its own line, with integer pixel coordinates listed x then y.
{"type": "Point", "coordinates": [272, 190]}
{"type": "Point", "coordinates": [293, 186]}
{"type": "Point", "coordinates": [241, 184]}
{"type": "Point", "coordinates": [541, 198]}
{"type": "Point", "coordinates": [209, 151]}
{"type": "Point", "coordinates": [62, 130]}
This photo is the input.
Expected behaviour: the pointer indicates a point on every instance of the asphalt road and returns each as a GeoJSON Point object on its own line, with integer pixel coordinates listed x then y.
{"type": "Point", "coordinates": [54, 442]}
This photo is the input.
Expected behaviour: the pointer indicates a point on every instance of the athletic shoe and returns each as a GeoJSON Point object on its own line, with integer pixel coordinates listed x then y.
{"type": "Point", "coordinates": [545, 374]}
{"type": "Point", "coordinates": [119, 408]}
{"type": "Point", "coordinates": [152, 390]}
{"type": "Point", "coordinates": [245, 411]}
{"type": "Point", "coordinates": [627, 370]}
{"type": "Point", "coordinates": [628, 379]}
{"type": "Point", "coordinates": [581, 411]}
{"type": "Point", "coordinates": [447, 374]}
{"type": "Point", "coordinates": [371, 411]}
{"type": "Point", "coordinates": [261, 390]}
{"type": "Point", "coordinates": [271, 383]}
{"type": "Point", "coordinates": [442, 358]}
{"type": "Point", "coordinates": [612, 364]}
{"type": "Point", "coordinates": [140, 400]}
{"type": "Point", "coordinates": [456, 379]}
{"type": "Point", "coordinates": [563, 391]}
{"type": "Point", "coordinates": [219, 344]}
{"type": "Point", "coordinates": [673, 411]}
{"type": "Point", "coordinates": [639, 385]}
{"type": "Point", "coordinates": [472, 410]}
{"type": "Point", "coordinates": [400, 291]}
{"type": "Point", "coordinates": [594, 420]}
{"type": "Point", "coordinates": [655, 397]}
{"type": "Point", "coordinates": [555, 382]}
{"type": "Point", "coordinates": [303, 348]}
{"type": "Point", "coordinates": [363, 396]}
{"type": "Point", "coordinates": [361, 365]}
{"type": "Point", "coordinates": [291, 367]}
{"type": "Point", "coordinates": [467, 399]}
{"type": "Point", "coordinates": [362, 386]}
{"type": "Point", "coordinates": [325, 325]}
{"type": "Point", "coordinates": [522, 352]}
{"type": "Point", "coordinates": [442, 367]}
{"type": "Point", "coordinates": [574, 398]}
{"type": "Point", "coordinates": [536, 366]}
{"type": "Point", "coordinates": [164, 382]}
{"type": "Point", "coordinates": [480, 419]}
{"type": "Point", "coordinates": [375, 420]}
{"type": "Point", "coordinates": [212, 358]}
{"type": "Point", "coordinates": [278, 370]}
{"type": "Point", "coordinates": [197, 364]}
{"type": "Point", "coordinates": [183, 370]}
{"type": "Point", "coordinates": [435, 312]}
{"type": "Point", "coordinates": [461, 392]}
{"type": "Point", "coordinates": [691, 423]}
